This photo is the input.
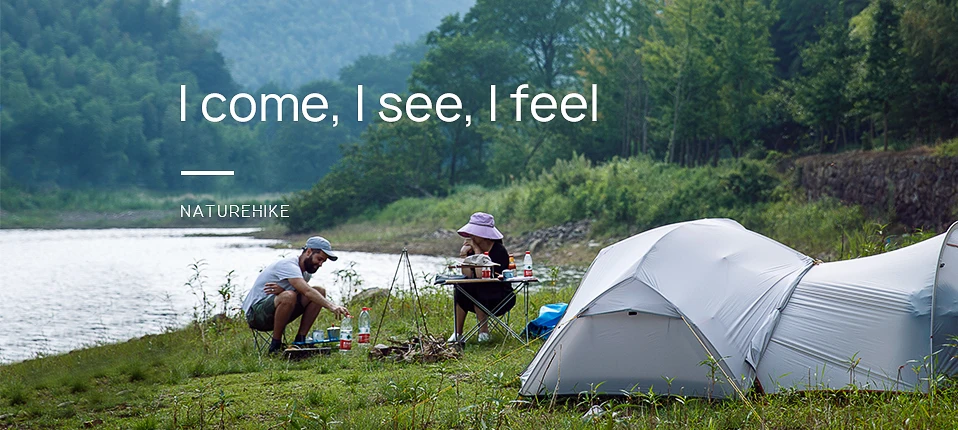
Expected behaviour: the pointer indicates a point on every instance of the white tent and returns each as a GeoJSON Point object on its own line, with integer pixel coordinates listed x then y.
{"type": "Point", "coordinates": [652, 309]}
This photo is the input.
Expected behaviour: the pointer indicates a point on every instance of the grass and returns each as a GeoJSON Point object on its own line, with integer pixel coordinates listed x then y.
{"type": "Point", "coordinates": [209, 376]}
{"type": "Point", "coordinates": [625, 197]}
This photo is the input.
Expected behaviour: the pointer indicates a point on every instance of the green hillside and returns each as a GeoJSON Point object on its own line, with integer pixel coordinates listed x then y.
{"type": "Point", "coordinates": [90, 99]}
{"type": "Point", "coordinates": [90, 96]}
{"type": "Point", "coordinates": [294, 42]}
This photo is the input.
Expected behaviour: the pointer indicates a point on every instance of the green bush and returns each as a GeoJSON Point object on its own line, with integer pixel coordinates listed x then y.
{"type": "Point", "coordinates": [947, 149]}
{"type": "Point", "coordinates": [627, 196]}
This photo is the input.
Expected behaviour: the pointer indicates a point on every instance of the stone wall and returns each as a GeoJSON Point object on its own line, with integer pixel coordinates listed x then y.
{"type": "Point", "coordinates": [915, 188]}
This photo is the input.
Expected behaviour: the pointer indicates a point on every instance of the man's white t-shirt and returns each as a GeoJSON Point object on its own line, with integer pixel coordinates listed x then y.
{"type": "Point", "coordinates": [280, 273]}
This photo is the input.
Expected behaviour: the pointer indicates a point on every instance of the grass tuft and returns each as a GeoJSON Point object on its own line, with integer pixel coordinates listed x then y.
{"type": "Point", "coordinates": [16, 394]}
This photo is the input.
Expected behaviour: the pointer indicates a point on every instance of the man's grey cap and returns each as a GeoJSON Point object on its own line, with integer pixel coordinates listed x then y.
{"type": "Point", "coordinates": [318, 242]}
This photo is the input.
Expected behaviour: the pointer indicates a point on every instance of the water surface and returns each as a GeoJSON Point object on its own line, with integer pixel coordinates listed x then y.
{"type": "Point", "coordinates": [67, 289]}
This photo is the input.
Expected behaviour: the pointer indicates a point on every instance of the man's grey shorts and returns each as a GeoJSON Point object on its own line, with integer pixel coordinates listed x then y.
{"type": "Point", "coordinates": [261, 315]}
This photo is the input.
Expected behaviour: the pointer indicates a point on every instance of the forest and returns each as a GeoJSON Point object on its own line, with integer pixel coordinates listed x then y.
{"type": "Point", "coordinates": [291, 43]}
{"type": "Point", "coordinates": [89, 94]}
{"type": "Point", "coordinates": [89, 99]}
{"type": "Point", "coordinates": [689, 82]}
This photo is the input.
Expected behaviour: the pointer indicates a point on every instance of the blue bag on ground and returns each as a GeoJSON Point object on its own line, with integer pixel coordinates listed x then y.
{"type": "Point", "coordinates": [549, 316]}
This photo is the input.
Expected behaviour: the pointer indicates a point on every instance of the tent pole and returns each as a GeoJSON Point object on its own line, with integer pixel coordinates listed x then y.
{"type": "Point", "coordinates": [934, 293]}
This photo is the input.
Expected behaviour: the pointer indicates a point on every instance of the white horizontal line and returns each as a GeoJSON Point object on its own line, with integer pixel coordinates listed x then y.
{"type": "Point", "coordinates": [206, 173]}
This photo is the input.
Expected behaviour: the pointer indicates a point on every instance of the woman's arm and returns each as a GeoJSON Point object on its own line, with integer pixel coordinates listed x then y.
{"type": "Point", "coordinates": [468, 248]}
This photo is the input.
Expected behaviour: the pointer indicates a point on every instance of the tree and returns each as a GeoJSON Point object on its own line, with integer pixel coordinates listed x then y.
{"type": "Point", "coordinates": [302, 152]}
{"type": "Point", "coordinates": [929, 30]}
{"type": "Point", "coordinates": [884, 62]}
{"type": "Point", "coordinates": [614, 37]}
{"type": "Point", "coordinates": [744, 55]}
{"type": "Point", "coordinates": [822, 95]}
{"type": "Point", "coordinates": [545, 31]}
{"type": "Point", "coordinates": [465, 64]}
{"type": "Point", "coordinates": [390, 162]}
{"type": "Point", "coordinates": [681, 71]}
{"type": "Point", "coordinates": [526, 147]}
{"type": "Point", "coordinates": [384, 73]}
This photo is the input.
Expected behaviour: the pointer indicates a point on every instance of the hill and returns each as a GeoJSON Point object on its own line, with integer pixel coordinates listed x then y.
{"type": "Point", "coordinates": [90, 96]}
{"type": "Point", "coordinates": [291, 43]}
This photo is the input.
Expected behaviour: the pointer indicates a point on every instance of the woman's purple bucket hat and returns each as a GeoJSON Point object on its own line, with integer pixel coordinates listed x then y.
{"type": "Point", "coordinates": [481, 224]}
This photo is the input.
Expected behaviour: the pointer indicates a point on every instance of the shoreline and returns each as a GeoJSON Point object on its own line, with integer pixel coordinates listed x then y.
{"type": "Point", "coordinates": [92, 220]}
{"type": "Point", "coordinates": [564, 245]}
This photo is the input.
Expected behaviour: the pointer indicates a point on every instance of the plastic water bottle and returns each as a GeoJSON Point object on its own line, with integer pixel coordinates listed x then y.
{"type": "Point", "coordinates": [486, 270]}
{"type": "Point", "coordinates": [527, 265]}
{"type": "Point", "coordinates": [365, 321]}
{"type": "Point", "coordinates": [346, 334]}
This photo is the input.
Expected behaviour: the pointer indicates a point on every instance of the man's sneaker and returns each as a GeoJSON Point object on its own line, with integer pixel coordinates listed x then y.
{"type": "Point", "coordinates": [483, 337]}
{"type": "Point", "coordinates": [455, 338]}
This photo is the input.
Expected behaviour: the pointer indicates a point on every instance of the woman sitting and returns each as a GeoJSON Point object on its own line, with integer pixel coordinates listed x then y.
{"type": "Point", "coordinates": [482, 236]}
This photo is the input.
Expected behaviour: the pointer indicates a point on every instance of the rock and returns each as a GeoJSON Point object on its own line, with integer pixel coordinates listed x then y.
{"type": "Point", "coordinates": [442, 233]}
{"type": "Point", "coordinates": [552, 237]}
{"type": "Point", "coordinates": [370, 295]}
{"type": "Point", "coordinates": [535, 244]}
{"type": "Point", "coordinates": [914, 187]}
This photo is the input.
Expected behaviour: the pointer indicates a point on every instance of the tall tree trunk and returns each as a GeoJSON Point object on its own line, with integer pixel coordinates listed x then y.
{"type": "Point", "coordinates": [675, 119]}
{"type": "Point", "coordinates": [539, 141]}
{"type": "Point", "coordinates": [677, 102]}
{"type": "Point", "coordinates": [716, 144]}
{"type": "Point", "coordinates": [884, 127]}
{"type": "Point", "coordinates": [645, 123]}
{"type": "Point", "coordinates": [707, 150]}
{"type": "Point", "coordinates": [821, 139]}
{"type": "Point", "coordinates": [452, 164]}
{"type": "Point", "coordinates": [835, 143]}
{"type": "Point", "coordinates": [856, 137]}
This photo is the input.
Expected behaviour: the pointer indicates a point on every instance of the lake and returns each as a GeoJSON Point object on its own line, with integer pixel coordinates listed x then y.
{"type": "Point", "coordinates": [67, 289]}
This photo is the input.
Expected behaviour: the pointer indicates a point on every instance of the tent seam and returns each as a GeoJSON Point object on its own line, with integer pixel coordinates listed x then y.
{"type": "Point", "coordinates": [780, 309]}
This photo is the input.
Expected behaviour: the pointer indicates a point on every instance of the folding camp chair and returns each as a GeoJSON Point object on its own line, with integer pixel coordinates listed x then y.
{"type": "Point", "coordinates": [262, 339]}
{"type": "Point", "coordinates": [520, 285]}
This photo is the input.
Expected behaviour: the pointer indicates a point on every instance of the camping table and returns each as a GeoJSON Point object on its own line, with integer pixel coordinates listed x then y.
{"type": "Point", "coordinates": [518, 284]}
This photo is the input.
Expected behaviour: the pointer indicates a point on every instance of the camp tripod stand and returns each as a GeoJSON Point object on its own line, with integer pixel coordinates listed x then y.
{"type": "Point", "coordinates": [406, 266]}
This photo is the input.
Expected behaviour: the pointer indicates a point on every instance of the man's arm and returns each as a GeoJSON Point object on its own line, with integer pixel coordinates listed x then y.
{"type": "Point", "coordinates": [314, 296]}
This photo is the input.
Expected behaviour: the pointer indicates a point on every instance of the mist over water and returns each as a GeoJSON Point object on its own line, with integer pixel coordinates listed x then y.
{"type": "Point", "coordinates": [67, 289]}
